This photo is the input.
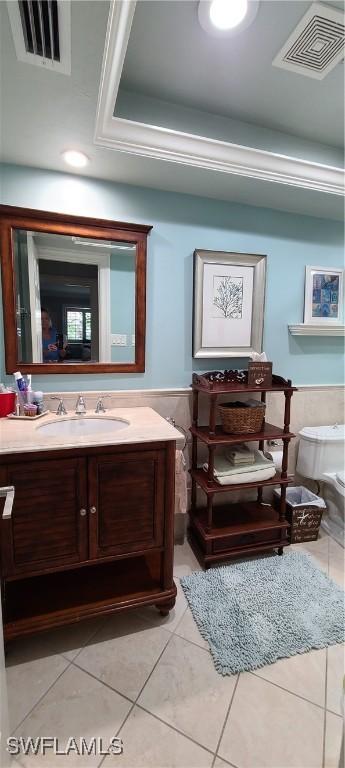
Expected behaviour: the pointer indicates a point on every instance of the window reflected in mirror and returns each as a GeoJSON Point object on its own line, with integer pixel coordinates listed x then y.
{"type": "Point", "coordinates": [75, 299]}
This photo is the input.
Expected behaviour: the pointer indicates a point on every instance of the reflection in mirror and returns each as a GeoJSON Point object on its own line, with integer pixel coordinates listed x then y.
{"type": "Point", "coordinates": [75, 299]}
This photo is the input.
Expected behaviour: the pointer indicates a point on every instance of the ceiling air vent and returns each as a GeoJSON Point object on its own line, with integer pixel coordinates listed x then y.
{"type": "Point", "coordinates": [42, 32]}
{"type": "Point", "coordinates": [316, 46]}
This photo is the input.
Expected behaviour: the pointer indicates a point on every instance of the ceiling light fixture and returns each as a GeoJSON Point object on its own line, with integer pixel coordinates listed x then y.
{"type": "Point", "coordinates": [222, 18]}
{"type": "Point", "coordinates": [75, 158]}
{"type": "Point", "coordinates": [227, 14]}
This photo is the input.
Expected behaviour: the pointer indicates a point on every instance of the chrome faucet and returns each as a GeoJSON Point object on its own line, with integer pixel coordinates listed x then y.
{"type": "Point", "coordinates": [100, 408]}
{"type": "Point", "coordinates": [61, 410]}
{"type": "Point", "coordinates": [80, 406]}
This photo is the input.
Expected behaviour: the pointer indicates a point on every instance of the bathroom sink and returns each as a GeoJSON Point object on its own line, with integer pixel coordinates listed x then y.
{"type": "Point", "coordinates": [81, 426]}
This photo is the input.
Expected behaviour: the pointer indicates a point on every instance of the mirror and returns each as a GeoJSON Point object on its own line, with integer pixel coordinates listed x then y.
{"type": "Point", "coordinates": [78, 298]}
{"type": "Point", "coordinates": [67, 290]}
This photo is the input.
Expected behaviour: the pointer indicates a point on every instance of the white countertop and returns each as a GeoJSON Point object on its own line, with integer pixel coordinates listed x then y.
{"type": "Point", "coordinates": [145, 426]}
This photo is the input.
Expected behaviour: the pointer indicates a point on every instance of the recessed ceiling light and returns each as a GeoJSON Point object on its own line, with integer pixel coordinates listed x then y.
{"type": "Point", "coordinates": [227, 14]}
{"type": "Point", "coordinates": [75, 158]}
{"type": "Point", "coordinates": [222, 18]}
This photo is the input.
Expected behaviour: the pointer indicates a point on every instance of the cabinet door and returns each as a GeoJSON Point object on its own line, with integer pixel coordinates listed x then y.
{"type": "Point", "coordinates": [48, 526]}
{"type": "Point", "coordinates": [126, 493]}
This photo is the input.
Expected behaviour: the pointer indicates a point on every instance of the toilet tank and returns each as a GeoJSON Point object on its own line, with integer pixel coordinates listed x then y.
{"type": "Point", "coordinates": [321, 449]}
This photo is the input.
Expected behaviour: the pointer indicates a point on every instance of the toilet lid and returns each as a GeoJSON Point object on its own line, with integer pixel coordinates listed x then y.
{"type": "Point", "coordinates": [334, 433]}
{"type": "Point", "coordinates": [341, 478]}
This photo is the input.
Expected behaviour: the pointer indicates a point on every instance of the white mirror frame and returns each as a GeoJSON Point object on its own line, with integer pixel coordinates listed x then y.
{"type": "Point", "coordinates": [258, 263]}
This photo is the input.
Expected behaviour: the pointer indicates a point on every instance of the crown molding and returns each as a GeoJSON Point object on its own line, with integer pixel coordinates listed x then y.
{"type": "Point", "coordinates": [188, 149]}
{"type": "Point", "coordinates": [119, 26]}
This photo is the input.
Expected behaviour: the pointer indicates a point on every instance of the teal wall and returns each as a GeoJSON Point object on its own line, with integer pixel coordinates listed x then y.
{"type": "Point", "coordinates": [182, 223]}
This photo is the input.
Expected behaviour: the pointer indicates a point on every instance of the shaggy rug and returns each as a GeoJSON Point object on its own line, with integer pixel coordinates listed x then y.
{"type": "Point", "coordinates": [255, 612]}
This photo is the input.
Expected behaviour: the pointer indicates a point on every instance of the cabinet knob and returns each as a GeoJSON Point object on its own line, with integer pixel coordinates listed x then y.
{"type": "Point", "coordinates": [83, 512]}
{"type": "Point", "coordinates": [93, 510]}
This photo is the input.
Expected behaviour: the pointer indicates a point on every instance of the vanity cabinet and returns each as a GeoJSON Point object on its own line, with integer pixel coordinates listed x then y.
{"type": "Point", "coordinates": [91, 532]}
{"type": "Point", "coordinates": [126, 495]}
{"type": "Point", "coordinates": [46, 529]}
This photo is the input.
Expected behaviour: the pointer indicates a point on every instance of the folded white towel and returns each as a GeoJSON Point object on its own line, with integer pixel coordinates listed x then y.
{"type": "Point", "coordinates": [222, 466]}
{"type": "Point", "coordinates": [246, 477]}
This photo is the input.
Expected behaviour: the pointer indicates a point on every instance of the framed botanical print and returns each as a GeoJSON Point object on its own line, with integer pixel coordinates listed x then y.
{"type": "Point", "coordinates": [229, 297]}
{"type": "Point", "coordinates": [324, 298]}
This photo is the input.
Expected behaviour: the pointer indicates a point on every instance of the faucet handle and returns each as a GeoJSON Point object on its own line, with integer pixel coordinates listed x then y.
{"type": "Point", "coordinates": [80, 406]}
{"type": "Point", "coordinates": [100, 405]}
{"type": "Point", "coordinates": [61, 410]}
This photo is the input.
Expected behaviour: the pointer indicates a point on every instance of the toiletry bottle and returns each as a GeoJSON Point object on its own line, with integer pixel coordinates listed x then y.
{"type": "Point", "coordinates": [21, 384]}
{"type": "Point", "coordinates": [37, 399]}
{"type": "Point", "coordinates": [29, 397]}
{"type": "Point", "coordinates": [21, 387]}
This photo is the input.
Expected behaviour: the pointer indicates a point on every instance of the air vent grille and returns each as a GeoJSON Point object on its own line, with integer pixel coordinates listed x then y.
{"type": "Point", "coordinates": [41, 27]}
{"type": "Point", "coordinates": [42, 32]}
{"type": "Point", "coordinates": [317, 44]}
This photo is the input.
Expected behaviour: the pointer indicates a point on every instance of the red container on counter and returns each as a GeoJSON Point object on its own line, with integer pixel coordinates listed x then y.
{"type": "Point", "coordinates": [7, 403]}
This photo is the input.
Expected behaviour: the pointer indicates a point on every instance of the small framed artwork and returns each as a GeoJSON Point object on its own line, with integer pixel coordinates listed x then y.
{"type": "Point", "coordinates": [229, 298]}
{"type": "Point", "coordinates": [324, 298]}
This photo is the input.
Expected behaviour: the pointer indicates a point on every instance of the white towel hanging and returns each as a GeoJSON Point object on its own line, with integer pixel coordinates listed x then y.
{"type": "Point", "coordinates": [180, 483]}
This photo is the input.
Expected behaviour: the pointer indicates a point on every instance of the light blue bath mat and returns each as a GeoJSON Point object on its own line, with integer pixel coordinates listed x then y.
{"type": "Point", "coordinates": [255, 612]}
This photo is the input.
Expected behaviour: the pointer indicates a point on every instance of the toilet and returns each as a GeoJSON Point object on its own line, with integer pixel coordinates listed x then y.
{"type": "Point", "coordinates": [321, 458]}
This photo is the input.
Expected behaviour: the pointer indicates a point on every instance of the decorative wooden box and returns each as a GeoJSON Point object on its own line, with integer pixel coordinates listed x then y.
{"type": "Point", "coordinates": [304, 520]}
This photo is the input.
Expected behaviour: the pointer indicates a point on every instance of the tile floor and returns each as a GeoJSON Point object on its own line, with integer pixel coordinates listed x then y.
{"type": "Point", "coordinates": [151, 681]}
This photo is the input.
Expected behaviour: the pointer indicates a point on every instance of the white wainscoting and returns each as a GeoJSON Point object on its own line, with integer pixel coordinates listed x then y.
{"type": "Point", "coordinates": [312, 405]}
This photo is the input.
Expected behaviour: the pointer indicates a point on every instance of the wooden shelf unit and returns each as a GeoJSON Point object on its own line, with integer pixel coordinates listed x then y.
{"type": "Point", "coordinates": [268, 432]}
{"type": "Point", "coordinates": [218, 533]}
{"type": "Point", "coordinates": [212, 486]}
{"type": "Point", "coordinates": [233, 529]}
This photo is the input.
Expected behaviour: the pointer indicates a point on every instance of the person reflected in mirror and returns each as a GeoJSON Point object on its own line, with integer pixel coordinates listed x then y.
{"type": "Point", "coordinates": [52, 349]}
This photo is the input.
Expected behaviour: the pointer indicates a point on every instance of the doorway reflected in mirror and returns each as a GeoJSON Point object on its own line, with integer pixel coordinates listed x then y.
{"type": "Point", "coordinates": [75, 299]}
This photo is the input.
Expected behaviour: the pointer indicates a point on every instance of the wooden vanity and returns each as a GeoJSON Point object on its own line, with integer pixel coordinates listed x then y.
{"type": "Point", "coordinates": [91, 531]}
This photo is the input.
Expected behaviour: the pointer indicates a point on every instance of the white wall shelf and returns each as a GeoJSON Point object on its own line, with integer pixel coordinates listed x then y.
{"type": "Point", "coordinates": [303, 329]}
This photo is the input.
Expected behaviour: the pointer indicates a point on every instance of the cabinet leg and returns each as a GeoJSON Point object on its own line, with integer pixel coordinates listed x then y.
{"type": "Point", "coordinates": [165, 607]}
{"type": "Point", "coordinates": [280, 550]}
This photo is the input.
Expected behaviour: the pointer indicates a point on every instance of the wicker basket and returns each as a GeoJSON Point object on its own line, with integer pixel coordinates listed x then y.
{"type": "Point", "coordinates": [238, 418]}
